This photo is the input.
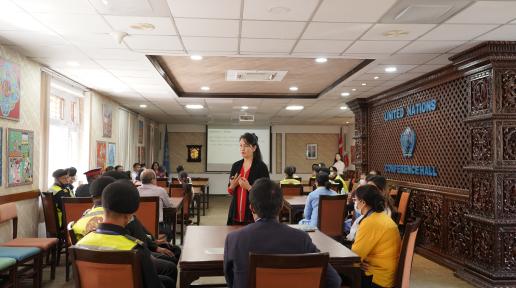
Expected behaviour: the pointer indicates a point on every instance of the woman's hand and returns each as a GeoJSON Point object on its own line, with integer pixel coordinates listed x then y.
{"type": "Point", "coordinates": [364, 266]}
{"type": "Point", "coordinates": [244, 184]}
{"type": "Point", "coordinates": [233, 182]}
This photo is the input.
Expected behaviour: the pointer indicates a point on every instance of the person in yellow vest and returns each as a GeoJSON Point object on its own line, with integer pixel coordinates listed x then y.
{"type": "Point", "coordinates": [289, 176]}
{"type": "Point", "coordinates": [60, 190]}
{"type": "Point", "coordinates": [120, 200]}
{"type": "Point", "coordinates": [336, 179]}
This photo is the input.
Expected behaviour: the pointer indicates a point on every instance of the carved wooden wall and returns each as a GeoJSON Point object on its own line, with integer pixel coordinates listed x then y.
{"type": "Point", "coordinates": [469, 210]}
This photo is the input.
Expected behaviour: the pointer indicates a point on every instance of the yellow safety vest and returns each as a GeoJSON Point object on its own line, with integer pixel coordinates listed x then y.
{"type": "Point", "coordinates": [290, 181]}
{"type": "Point", "coordinates": [99, 241]}
{"type": "Point", "coordinates": [88, 222]}
{"type": "Point", "coordinates": [55, 189]}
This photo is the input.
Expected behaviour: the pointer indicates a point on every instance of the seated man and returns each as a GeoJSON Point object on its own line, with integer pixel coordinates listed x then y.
{"type": "Point", "coordinates": [84, 189]}
{"type": "Point", "coordinates": [120, 201]}
{"type": "Point", "coordinates": [266, 235]}
{"type": "Point", "coordinates": [312, 201]}
{"type": "Point", "coordinates": [148, 188]}
{"type": "Point", "coordinates": [60, 190]}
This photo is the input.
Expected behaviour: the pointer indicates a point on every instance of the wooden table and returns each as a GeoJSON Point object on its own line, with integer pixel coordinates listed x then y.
{"type": "Point", "coordinates": [170, 216]}
{"type": "Point", "coordinates": [204, 187]}
{"type": "Point", "coordinates": [295, 205]}
{"type": "Point", "coordinates": [203, 254]}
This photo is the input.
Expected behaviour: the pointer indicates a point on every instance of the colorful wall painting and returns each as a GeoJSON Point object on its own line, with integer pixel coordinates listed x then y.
{"type": "Point", "coordinates": [9, 90]}
{"type": "Point", "coordinates": [20, 150]}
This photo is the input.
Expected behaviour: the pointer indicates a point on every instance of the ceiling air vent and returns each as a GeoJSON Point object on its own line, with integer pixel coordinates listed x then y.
{"type": "Point", "coordinates": [246, 118]}
{"type": "Point", "coordinates": [423, 11]}
{"type": "Point", "coordinates": [254, 75]}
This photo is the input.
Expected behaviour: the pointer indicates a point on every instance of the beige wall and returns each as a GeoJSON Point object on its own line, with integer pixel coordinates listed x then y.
{"type": "Point", "coordinates": [278, 154]}
{"type": "Point", "coordinates": [179, 154]}
{"type": "Point", "coordinates": [295, 150]}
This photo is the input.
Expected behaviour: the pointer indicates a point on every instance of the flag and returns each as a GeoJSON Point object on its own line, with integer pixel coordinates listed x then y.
{"type": "Point", "coordinates": [341, 145]}
{"type": "Point", "coordinates": [166, 164]}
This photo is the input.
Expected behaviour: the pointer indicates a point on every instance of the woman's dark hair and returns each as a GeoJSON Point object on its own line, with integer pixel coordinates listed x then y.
{"type": "Point", "coordinates": [371, 196]}
{"type": "Point", "coordinates": [323, 179]}
{"type": "Point", "coordinates": [252, 139]}
{"type": "Point", "coordinates": [266, 198]}
{"type": "Point", "coordinates": [315, 167]}
{"type": "Point", "coordinates": [379, 181]}
{"type": "Point", "coordinates": [152, 166]}
{"type": "Point", "coordinates": [136, 164]}
{"type": "Point", "coordinates": [179, 168]}
{"type": "Point", "coordinates": [290, 170]}
{"type": "Point", "coordinates": [109, 168]}
{"type": "Point", "coordinates": [335, 158]}
{"type": "Point", "coordinates": [118, 166]}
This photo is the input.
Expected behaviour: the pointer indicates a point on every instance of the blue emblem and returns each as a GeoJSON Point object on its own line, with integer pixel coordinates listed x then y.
{"type": "Point", "coordinates": [408, 142]}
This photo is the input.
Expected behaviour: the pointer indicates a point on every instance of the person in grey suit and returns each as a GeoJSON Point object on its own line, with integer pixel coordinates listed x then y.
{"type": "Point", "coordinates": [266, 236]}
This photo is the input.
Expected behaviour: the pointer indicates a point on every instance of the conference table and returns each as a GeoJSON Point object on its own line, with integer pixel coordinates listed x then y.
{"type": "Point", "coordinates": [295, 206]}
{"type": "Point", "coordinates": [203, 254]}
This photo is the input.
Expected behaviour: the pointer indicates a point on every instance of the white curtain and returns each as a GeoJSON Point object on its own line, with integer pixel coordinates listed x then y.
{"type": "Point", "coordinates": [123, 131]}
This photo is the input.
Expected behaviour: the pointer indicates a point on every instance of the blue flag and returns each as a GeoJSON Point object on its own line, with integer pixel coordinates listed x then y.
{"type": "Point", "coordinates": [166, 164]}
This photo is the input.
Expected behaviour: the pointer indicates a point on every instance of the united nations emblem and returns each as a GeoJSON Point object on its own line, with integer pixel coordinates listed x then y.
{"type": "Point", "coordinates": [408, 142]}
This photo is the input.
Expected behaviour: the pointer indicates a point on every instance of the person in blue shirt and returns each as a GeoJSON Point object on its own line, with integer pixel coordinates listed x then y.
{"type": "Point", "coordinates": [312, 201]}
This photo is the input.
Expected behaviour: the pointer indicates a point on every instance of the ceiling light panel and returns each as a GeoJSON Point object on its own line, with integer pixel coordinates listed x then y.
{"type": "Point", "coordinates": [162, 25]}
{"type": "Point", "coordinates": [207, 27]}
{"type": "Point", "coordinates": [287, 10]}
{"type": "Point", "coordinates": [423, 11]}
{"type": "Point", "coordinates": [368, 11]}
{"type": "Point", "coordinates": [397, 31]}
{"type": "Point", "coordinates": [220, 9]}
{"type": "Point", "coordinates": [457, 32]}
{"type": "Point", "coordinates": [272, 29]}
{"type": "Point", "coordinates": [334, 31]}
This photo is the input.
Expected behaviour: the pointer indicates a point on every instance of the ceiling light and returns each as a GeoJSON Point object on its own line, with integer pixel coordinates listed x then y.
{"type": "Point", "coordinates": [343, 107]}
{"type": "Point", "coordinates": [364, 84]}
{"type": "Point", "coordinates": [354, 89]}
{"type": "Point", "coordinates": [293, 88]}
{"type": "Point", "coordinates": [196, 57]}
{"type": "Point", "coordinates": [344, 94]}
{"type": "Point", "coordinates": [391, 69]}
{"type": "Point", "coordinates": [205, 88]}
{"type": "Point", "coordinates": [279, 10]}
{"type": "Point", "coordinates": [143, 26]}
{"type": "Point", "coordinates": [105, 2]}
{"type": "Point", "coordinates": [395, 33]}
{"type": "Point", "coordinates": [72, 63]}
{"type": "Point", "coordinates": [321, 60]}
{"type": "Point", "coordinates": [143, 106]}
{"type": "Point", "coordinates": [347, 122]}
{"type": "Point", "coordinates": [295, 107]}
{"type": "Point", "coordinates": [376, 77]}
{"type": "Point", "coordinates": [244, 107]}
{"type": "Point", "coordinates": [194, 106]}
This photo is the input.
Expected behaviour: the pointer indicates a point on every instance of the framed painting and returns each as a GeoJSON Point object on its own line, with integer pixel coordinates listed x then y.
{"type": "Point", "coordinates": [1, 153]}
{"type": "Point", "coordinates": [20, 153]}
{"type": "Point", "coordinates": [311, 151]}
{"type": "Point", "coordinates": [101, 154]}
{"type": "Point", "coordinates": [140, 131]}
{"type": "Point", "coordinates": [111, 154]}
{"type": "Point", "coordinates": [9, 90]}
{"type": "Point", "coordinates": [194, 153]}
{"type": "Point", "coordinates": [107, 120]}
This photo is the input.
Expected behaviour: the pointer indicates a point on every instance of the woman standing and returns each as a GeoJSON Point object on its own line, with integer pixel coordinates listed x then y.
{"type": "Point", "coordinates": [337, 163]}
{"type": "Point", "coordinates": [243, 174]}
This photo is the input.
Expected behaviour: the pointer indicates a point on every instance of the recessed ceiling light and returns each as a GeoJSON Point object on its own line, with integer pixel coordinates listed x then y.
{"type": "Point", "coordinates": [343, 107]}
{"type": "Point", "coordinates": [205, 88]}
{"type": "Point", "coordinates": [344, 94]}
{"type": "Point", "coordinates": [105, 2]}
{"type": "Point", "coordinates": [72, 63]}
{"type": "Point", "coordinates": [376, 78]}
{"type": "Point", "coordinates": [354, 89]}
{"type": "Point", "coordinates": [196, 57]}
{"type": "Point", "coordinates": [194, 106]}
{"type": "Point", "coordinates": [143, 106]}
{"type": "Point", "coordinates": [143, 26]}
{"type": "Point", "coordinates": [321, 60]}
{"type": "Point", "coordinates": [364, 84]}
{"type": "Point", "coordinates": [244, 107]}
{"type": "Point", "coordinates": [391, 69]}
{"type": "Point", "coordinates": [279, 10]}
{"type": "Point", "coordinates": [293, 88]}
{"type": "Point", "coordinates": [395, 33]}
{"type": "Point", "coordinates": [347, 122]}
{"type": "Point", "coordinates": [295, 107]}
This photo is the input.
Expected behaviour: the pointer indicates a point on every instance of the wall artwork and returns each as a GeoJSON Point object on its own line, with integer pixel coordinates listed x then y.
{"type": "Point", "coordinates": [101, 154]}
{"type": "Point", "coordinates": [311, 151]}
{"type": "Point", "coordinates": [140, 131]}
{"type": "Point", "coordinates": [107, 120]}
{"type": "Point", "coordinates": [141, 154]}
{"type": "Point", "coordinates": [111, 154]}
{"type": "Point", "coordinates": [20, 145]}
{"type": "Point", "coordinates": [1, 153]}
{"type": "Point", "coordinates": [194, 153]}
{"type": "Point", "coordinates": [9, 90]}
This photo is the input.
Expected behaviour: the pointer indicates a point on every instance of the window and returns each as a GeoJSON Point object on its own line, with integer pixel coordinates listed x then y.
{"type": "Point", "coordinates": [56, 108]}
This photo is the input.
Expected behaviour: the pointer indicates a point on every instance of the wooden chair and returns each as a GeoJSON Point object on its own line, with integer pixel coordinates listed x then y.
{"type": "Point", "coordinates": [311, 182]}
{"type": "Point", "coordinates": [148, 214]}
{"type": "Point", "coordinates": [72, 238]}
{"type": "Point", "coordinates": [73, 208]}
{"type": "Point", "coordinates": [404, 200]}
{"type": "Point", "coordinates": [288, 270]}
{"type": "Point", "coordinates": [54, 230]}
{"type": "Point", "coordinates": [175, 181]}
{"type": "Point", "coordinates": [176, 190]}
{"type": "Point", "coordinates": [331, 215]}
{"type": "Point", "coordinates": [292, 189]}
{"type": "Point", "coordinates": [298, 179]}
{"type": "Point", "coordinates": [162, 182]}
{"type": "Point", "coordinates": [9, 212]}
{"type": "Point", "coordinates": [113, 269]}
{"type": "Point", "coordinates": [407, 254]}
{"type": "Point", "coordinates": [28, 263]}
{"type": "Point", "coordinates": [8, 265]}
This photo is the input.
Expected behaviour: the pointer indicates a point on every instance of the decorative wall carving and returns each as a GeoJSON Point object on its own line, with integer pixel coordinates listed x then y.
{"type": "Point", "coordinates": [509, 143]}
{"type": "Point", "coordinates": [481, 145]}
{"type": "Point", "coordinates": [458, 234]}
{"type": "Point", "coordinates": [431, 209]}
{"type": "Point", "coordinates": [482, 248]}
{"type": "Point", "coordinates": [509, 196]}
{"type": "Point", "coordinates": [481, 93]}
{"type": "Point", "coordinates": [508, 96]}
{"type": "Point", "coordinates": [482, 194]}
{"type": "Point", "coordinates": [509, 251]}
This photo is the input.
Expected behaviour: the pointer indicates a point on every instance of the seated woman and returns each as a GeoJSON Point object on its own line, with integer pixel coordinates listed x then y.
{"type": "Point", "coordinates": [289, 176]}
{"type": "Point", "coordinates": [187, 185]}
{"type": "Point", "coordinates": [377, 241]}
{"type": "Point", "coordinates": [336, 179]}
{"type": "Point", "coordinates": [160, 172]}
{"type": "Point", "coordinates": [312, 201]}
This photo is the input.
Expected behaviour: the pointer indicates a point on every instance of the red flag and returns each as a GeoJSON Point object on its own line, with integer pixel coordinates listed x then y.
{"type": "Point", "coordinates": [346, 160]}
{"type": "Point", "coordinates": [341, 146]}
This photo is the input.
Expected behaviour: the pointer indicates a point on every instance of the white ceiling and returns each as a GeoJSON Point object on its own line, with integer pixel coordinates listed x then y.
{"type": "Point", "coordinates": [56, 32]}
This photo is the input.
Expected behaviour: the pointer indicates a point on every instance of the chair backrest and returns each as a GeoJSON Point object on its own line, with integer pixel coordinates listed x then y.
{"type": "Point", "coordinates": [162, 182]}
{"type": "Point", "coordinates": [72, 238]}
{"type": "Point", "coordinates": [8, 212]}
{"type": "Point", "coordinates": [298, 179]}
{"type": "Point", "coordinates": [407, 254]}
{"type": "Point", "coordinates": [311, 181]}
{"type": "Point", "coordinates": [51, 218]}
{"type": "Point", "coordinates": [74, 207]}
{"type": "Point", "coordinates": [94, 268]}
{"type": "Point", "coordinates": [175, 180]}
{"type": "Point", "coordinates": [292, 189]}
{"type": "Point", "coordinates": [287, 270]}
{"type": "Point", "coordinates": [176, 190]}
{"type": "Point", "coordinates": [331, 215]}
{"type": "Point", "coordinates": [403, 205]}
{"type": "Point", "coordinates": [148, 214]}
